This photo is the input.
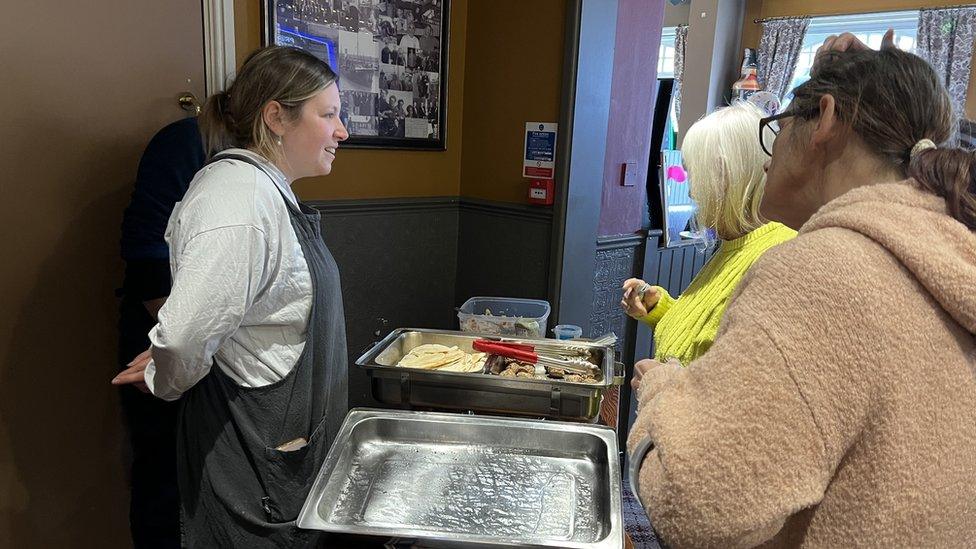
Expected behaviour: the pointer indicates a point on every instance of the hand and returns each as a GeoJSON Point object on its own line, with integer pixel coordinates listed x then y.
{"type": "Point", "coordinates": [649, 368]}
{"type": "Point", "coordinates": [849, 42]}
{"type": "Point", "coordinates": [641, 368]}
{"type": "Point", "coordinates": [135, 374]}
{"type": "Point", "coordinates": [637, 305]}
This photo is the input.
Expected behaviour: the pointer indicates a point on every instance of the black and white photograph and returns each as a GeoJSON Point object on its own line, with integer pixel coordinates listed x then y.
{"type": "Point", "coordinates": [390, 56]}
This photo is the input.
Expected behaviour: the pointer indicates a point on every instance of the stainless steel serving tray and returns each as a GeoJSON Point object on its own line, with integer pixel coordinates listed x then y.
{"type": "Point", "coordinates": [469, 481]}
{"type": "Point", "coordinates": [430, 389]}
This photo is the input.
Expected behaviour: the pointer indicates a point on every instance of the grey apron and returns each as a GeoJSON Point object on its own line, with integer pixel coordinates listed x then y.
{"type": "Point", "coordinates": [236, 489]}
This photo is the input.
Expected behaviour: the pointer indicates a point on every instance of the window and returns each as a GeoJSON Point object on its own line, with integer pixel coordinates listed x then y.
{"type": "Point", "coordinates": [665, 58]}
{"type": "Point", "coordinates": [868, 27]}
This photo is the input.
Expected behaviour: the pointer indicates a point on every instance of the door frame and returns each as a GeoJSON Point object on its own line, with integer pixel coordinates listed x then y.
{"type": "Point", "coordinates": [219, 45]}
{"type": "Point", "coordinates": [591, 30]}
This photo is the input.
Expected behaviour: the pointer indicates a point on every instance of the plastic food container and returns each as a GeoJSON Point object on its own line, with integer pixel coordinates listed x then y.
{"type": "Point", "coordinates": [567, 331]}
{"type": "Point", "coordinates": [505, 316]}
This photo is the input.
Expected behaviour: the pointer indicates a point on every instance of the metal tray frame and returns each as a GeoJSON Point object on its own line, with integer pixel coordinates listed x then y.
{"type": "Point", "coordinates": [571, 441]}
{"type": "Point", "coordinates": [549, 398]}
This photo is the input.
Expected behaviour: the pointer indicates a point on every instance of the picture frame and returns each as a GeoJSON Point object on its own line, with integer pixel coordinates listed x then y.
{"type": "Point", "coordinates": [391, 57]}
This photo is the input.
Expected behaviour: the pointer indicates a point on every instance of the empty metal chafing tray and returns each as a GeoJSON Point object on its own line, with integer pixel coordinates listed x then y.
{"type": "Point", "coordinates": [455, 480]}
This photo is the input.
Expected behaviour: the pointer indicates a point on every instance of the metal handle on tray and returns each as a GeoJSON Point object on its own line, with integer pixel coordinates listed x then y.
{"type": "Point", "coordinates": [619, 373]}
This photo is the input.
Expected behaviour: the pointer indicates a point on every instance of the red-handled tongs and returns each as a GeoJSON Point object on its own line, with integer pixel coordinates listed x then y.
{"type": "Point", "coordinates": [518, 351]}
{"type": "Point", "coordinates": [526, 353]}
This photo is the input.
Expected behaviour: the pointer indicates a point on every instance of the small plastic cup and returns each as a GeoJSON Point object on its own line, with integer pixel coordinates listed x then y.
{"type": "Point", "coordinates": [567, 331]}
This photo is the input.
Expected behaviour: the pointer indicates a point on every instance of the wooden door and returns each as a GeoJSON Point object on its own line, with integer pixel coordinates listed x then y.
{"type": "Point", "coordinates": [83, 86]}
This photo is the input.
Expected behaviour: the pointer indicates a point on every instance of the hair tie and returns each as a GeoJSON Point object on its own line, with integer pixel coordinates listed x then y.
{"type": "Point", "coordinates": [921, 146]}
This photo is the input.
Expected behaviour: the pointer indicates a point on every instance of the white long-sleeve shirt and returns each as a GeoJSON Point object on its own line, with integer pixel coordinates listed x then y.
{"type": "Point", "coordinates": [242, 292]}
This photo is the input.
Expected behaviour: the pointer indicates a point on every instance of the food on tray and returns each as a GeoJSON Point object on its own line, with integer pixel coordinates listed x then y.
{"type": "Point", "coordinates": [442, 358]}
{"type": "Point", "coordinates": [559, 373]}
{"type": "Point", "coordinates": [510, 367]}
{"type": "Point", "coordinates": [515, 368]}
{"type": "Point", "coordinates": [470, 363]}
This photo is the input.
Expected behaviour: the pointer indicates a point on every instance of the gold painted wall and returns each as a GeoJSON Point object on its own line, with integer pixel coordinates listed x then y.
{"type": "Point", "coordinates": [360, 173]}
{"type": "Point", "coordinates": [513, 76]}
{"type": "Point", "coordinates": [515, 51]}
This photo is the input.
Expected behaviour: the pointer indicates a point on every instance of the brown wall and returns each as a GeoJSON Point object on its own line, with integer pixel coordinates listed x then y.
{"type": "Point", "coordinates": [757, 9]}
{"type": "Point", "coordinates": [514, 75]}
{"type": "Point", "coordinates": [247, 27]}
{"type": "Point", "coordinates": [359, 173]}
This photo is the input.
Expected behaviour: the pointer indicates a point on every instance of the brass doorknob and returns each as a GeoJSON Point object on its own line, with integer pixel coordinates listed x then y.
{"type": "Point", "coordinates": [189, 102]}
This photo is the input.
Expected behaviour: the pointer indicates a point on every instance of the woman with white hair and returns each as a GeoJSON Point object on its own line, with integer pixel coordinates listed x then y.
{"type": "Point", "coordinates": [725, 163]}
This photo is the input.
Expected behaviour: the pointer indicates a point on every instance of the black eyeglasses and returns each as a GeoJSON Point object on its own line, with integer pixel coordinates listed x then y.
{"type": "Point", "coordinates": [769, 128]}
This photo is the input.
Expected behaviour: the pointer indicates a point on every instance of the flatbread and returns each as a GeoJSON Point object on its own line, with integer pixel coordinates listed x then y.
{"type": "Point", "coordinates": [468, 363]}
{"type": "Point", "coordinates": [433, 356]}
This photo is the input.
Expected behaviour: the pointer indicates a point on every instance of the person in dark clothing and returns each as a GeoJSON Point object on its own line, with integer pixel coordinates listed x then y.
{"type": "Point", "coordinates": [167, 166]}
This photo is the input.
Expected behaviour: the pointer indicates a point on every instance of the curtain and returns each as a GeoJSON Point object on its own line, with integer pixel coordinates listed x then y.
{"type": "Point", "coordinates": [680, 39]}
{"type": "Point", "coordinates": [945, 40]}
{"type": "Point", "coordinates": [779, 51]}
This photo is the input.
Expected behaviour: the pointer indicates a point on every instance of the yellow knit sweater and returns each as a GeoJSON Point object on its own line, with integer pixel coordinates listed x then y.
{"type": "Point", "coordinates": [685, 328]}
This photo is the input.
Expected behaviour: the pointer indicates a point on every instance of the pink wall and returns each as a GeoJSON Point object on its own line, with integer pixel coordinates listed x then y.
{"type": "Point", "coordinates": [631, 112]}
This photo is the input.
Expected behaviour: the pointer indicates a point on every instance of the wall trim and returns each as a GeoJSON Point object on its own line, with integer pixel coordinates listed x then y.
{"type": "Point", "coordinates": [618, 241]}
{"type": "Point", "coordinates": [372, 206]}
{"type": "Point", "coordinates": [219, 54]}
{"type": "Point", "coordinates": [521, 211]}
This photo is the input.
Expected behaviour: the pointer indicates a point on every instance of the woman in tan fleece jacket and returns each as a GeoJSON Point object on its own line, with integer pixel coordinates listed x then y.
{"type": "Point", "coordinates": [837, 406]}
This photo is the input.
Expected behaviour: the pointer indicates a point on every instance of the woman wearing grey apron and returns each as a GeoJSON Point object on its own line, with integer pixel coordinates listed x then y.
{"type": "Point", "coordinates": [252, 339]}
